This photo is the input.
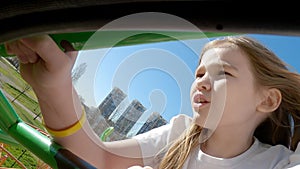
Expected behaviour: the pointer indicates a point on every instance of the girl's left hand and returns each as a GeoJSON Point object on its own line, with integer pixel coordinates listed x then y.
{"type": "Point", "coordinates": [139, 167]}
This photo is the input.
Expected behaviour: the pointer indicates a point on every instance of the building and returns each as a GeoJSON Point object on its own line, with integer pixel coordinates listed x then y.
{"type": "Point", "coordinates": [116, 114]}
{"type": "Point", "coordinates": [98, 117]}
{"type": "Point", "coordinates": [117, 111]}
{"type": "Point", "coordinates": [129, 117]}
{"type": "Point", "coordinates": [112, 100]}
{"type": "Point", "coordinates": [155, 120]}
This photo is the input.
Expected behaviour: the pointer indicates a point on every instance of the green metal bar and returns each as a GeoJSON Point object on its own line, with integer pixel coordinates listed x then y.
{"type": "Point", "coordinates": [105, 38]}
{"type": "Point", "coordinates": [51, 153]}
{"type": "Point", "coordinates": [35, 142]}
{"type": "Point", "coordinates": [7, 114]}
{"type": "Point", "coordinates": [7, 139]}
{"type": "Point", "coordinates": [7, 118]}
{"type": "Point", "coordinates": [107, 132]}
{"type": "Point", "coordinates": [42, 146]}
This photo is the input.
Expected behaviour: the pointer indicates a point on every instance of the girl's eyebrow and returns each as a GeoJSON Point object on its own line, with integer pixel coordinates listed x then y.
{"type": "Point", "coordinates": [228, 66]}
{"type": "Point", "coordinates": [223, 64]}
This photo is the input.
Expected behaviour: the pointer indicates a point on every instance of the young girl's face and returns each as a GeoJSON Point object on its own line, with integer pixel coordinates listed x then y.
{"type": "Point", "coordinates": [224, 92]}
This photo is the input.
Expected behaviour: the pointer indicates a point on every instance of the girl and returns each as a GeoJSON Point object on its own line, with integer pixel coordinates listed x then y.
{"type": "Point", "coordinates": [243, 99]}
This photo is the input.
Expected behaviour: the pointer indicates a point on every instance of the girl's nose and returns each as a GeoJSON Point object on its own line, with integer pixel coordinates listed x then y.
{"type": "Point", "coordinates": [203, 83]}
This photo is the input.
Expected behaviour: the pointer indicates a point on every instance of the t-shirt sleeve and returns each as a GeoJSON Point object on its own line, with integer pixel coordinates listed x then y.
{"type": "Point", "coordinates": [294, 159]}
{"type": "Point", "coordinates": [155, 140]}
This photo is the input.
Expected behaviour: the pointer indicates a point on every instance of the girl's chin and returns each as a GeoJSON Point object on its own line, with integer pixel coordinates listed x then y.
{"type": "Point", "coordinates": [198, 120]}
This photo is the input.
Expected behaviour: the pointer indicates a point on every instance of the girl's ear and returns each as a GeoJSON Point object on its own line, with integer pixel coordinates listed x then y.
{"type": "Point", "coordinates": [271, 100]}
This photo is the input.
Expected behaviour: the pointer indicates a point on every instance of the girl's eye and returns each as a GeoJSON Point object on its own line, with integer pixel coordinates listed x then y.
{"type": "Point", "coordinates": [199, 75]}
{"type": "Point", "coordinates": [225, 73]}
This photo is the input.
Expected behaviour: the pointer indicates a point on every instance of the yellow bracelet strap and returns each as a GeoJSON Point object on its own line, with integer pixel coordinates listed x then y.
{"type": "Point", "coordinates": [69, 130]}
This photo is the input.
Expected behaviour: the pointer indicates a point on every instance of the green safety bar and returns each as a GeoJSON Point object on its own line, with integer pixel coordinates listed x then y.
{"type": "Point", "coordinates": [103, 39]}
{"type": "Point", "coordinates": [50, 152]}
{"type": "Point", "coordinates": [7, 139]}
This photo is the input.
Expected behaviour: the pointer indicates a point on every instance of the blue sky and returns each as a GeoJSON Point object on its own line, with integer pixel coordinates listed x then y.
{"type": "Point", "coordinates": [159, 75]}
{"type": "Point", "coordinates": [286, 47]}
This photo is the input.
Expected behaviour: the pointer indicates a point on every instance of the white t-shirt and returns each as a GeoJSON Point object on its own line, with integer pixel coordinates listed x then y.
{"type": "Point", "coordinates": [258, 156]}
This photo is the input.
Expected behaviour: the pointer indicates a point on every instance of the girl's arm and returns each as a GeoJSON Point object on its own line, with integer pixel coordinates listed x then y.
{"type": "Point", "coordinates": [48, 70]}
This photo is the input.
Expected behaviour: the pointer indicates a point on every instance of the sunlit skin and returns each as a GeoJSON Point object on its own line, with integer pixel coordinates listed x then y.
{"type": "Point", "coordinates": [225, 89]}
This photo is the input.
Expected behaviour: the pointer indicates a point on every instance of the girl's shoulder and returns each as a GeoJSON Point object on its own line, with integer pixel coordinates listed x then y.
{"type": "Point", "coordinates": [278, 156]}
{"type": "Point", "coordinates": [169, 131]}
{"type": "Point", "coordinates": [294, 159]}
{"type": "Point", "coordinates": [154, 141]}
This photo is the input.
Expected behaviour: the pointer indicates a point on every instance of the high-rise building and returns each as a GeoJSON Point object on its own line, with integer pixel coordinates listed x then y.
{"type": "Point", "coordinates": [129, 117]}
{"type": "Point", "coordinates": [155, 120]}
{"type": "Point", "coordinates": [117, 111]}
{"type": "Point", "coordinates": [116, 114]}
{"type": "Point", "coordinates": [112, 100]}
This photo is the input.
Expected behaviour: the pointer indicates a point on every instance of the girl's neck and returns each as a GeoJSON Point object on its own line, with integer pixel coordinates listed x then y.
{"type": "Point", "coordinates": [227, 145]}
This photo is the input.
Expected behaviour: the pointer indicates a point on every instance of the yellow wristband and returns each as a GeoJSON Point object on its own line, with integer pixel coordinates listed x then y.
{"type": "Point", "coordinates": [69, 130]}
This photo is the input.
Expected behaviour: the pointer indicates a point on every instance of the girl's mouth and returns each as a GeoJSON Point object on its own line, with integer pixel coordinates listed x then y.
{"type": "Point", "coordinates": [199, 101]}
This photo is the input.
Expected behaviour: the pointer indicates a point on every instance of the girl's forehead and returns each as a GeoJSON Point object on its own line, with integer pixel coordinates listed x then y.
{"type": "Point", "coordinates": [224, 54]}
{"type": "Point", "coordinates": [215, 55]}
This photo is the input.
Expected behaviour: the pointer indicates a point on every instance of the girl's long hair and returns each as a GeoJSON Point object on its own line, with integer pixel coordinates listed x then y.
{"type": "Point", "coordinates": [281, 127]}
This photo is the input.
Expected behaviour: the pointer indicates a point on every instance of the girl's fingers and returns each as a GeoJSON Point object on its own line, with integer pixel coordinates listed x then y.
{"type": "Point", "coordinates": [48, 50]}
{"type": "Point", "coordinates": [24, 54]}
{"type": "Point", "coordinates": [67, 46]}
{"type": "Point", "coordinates": [27, 56]}
{"type": "Point", "coordinates": [8, 48]}
{"type": "Point", "coordinates": [44, 46]}
{"type": "Point", "coordinates": [69, 50]}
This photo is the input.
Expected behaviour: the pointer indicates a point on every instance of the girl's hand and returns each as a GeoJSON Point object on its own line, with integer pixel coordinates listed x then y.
{"type": "Point", "coordinates": [42, 63]}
